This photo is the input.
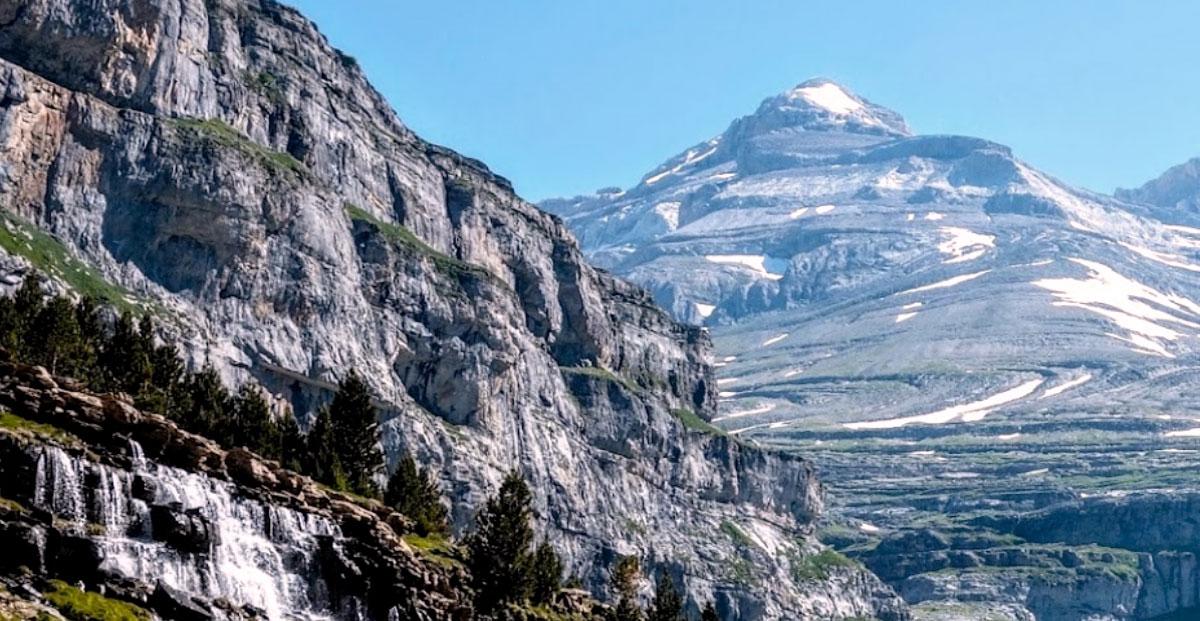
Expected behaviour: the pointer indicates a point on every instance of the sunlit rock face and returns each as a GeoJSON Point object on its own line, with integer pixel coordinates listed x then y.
{"type": "Point", "coordinates": [220, 163]}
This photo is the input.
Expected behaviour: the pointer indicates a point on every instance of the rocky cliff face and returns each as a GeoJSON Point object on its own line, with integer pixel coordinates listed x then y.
{"type": "Point", "coordinates": [1173, 196]}
{"type": "Point", "coordinates": [218, 163]}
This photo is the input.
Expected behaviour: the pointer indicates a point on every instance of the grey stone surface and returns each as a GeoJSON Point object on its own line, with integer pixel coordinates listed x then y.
{"type": "Point", "coordinates": [208, 157]}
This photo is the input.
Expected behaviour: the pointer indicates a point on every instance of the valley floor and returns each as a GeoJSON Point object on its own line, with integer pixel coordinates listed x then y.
{"type": "Point", "coordinates": [1056, 516]}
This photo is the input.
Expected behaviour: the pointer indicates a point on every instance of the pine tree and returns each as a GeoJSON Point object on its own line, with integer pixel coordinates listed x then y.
{"type": "Point", "coordinates": [251, 424]}
{"type": "Point", "coordinates": [623, 581]}
{"type": "Point", "coordinates": [206, 406]}
{"type": "Point", "coordinates": [92, 339]}
{"type": "Point", "coordinates": [668, 603]}
{"type": "Point", "coordinates": [710, 613]}
{"type": "Point", "coordinates": [356, 434]}
{"type": "Point", "coordinates": [167, 378]}
{"type": "Point", "coordinates": [322, 462]}
{"type": "Point", "coordinates": [28, 300]}
{"type": "Point", "coordinates": [545, 574]}
{"type": "Point", "coordinates": [414, 493]}
{"type": "Point", "coordinates": [291, 443]}
{"type": "Point", "coordinates": [53, 338]}
{"type": "Point", "coordinates": [498, 549]}
{"type": "Point", "coordinates": [10, 326]}
{"type": "Point", "coordinates": [126, 363]}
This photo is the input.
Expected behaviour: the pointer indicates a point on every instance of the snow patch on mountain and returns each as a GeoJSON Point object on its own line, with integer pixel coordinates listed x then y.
{"type": "Point", "coordinates": [1065, 386]}
{"type": "Point", "coordinates": [963, 245]}
{"type": "Point", "coordinates": [1132, 306]}
{"type": "Point", "coordinates": [763, 266]}
{"type": "Point", "coordinates": [969, 412]}
{"type": "Point", "coordinates": [829, 96]}
{"type": "Point", "coordinates": [775, 339]}
{"type": "Point", "coordinates": [943, 284]}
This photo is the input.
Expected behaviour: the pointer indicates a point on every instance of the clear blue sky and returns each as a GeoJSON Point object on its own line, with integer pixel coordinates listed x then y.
{"type": "Point", "coordinates": [566, 96]}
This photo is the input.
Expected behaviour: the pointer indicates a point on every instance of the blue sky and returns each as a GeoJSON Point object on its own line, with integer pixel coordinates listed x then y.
{"type": "Point", "coordinates": [566, 96]}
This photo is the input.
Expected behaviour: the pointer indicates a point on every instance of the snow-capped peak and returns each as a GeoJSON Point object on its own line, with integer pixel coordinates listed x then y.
{"type": "Point", "coordinates": [827, 95]}
{"type": "Point", "coordinates": [821, 104]}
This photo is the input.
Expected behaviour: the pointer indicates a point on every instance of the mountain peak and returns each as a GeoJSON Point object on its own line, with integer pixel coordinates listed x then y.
{"type": "Point", "coordinates": [826, 94]}
{"type": "Point", "coordinates": [822, 104]}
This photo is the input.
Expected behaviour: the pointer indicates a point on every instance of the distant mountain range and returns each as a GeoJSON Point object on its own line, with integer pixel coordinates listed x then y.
{"type": "Point", "coordinates": [856, 276]}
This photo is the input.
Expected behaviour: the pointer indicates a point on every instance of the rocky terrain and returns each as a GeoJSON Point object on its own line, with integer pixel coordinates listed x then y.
{"type": "Point", "coordinates": [218, 164]}
{"type": "Point", "coordinates": [97, 492]}
{"type": "Point", "coordinates": [956, 338]}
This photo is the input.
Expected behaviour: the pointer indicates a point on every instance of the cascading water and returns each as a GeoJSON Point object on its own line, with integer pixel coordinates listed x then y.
{"type": "Point", "coordinates": [257, 554]}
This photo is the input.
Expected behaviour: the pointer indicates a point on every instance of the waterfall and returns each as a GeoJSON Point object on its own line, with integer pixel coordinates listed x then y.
{"type": "Point", "coordinates": [260, 555]}
{"type": "Point", "coordinates": [58, 487]}
{"type": "Point", "coordinates": [136, 455]}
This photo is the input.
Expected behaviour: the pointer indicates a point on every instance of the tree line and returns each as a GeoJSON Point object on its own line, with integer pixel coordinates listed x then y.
{"type": "Point", "coordinates": [340, 449]}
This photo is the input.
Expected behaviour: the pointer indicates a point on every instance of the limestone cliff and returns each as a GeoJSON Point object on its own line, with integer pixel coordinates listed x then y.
{"type": "Point", "coordinates": [218, 163]}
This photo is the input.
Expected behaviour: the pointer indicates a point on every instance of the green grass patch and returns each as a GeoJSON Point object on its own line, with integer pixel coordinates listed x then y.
{"type": "Point", "coordinates": [436, 549]}
{"type": "Point", "coordinates": [11, 506]}
{"type": "Point", "coordinates": [218, 132]}
{"type": "Point", "coordinates": [12, 422]}
{"type": "Point", "coordinates": [741, 571]}
{"type": "Point", "coordinates": [820, 566]}
{"type": "Point", "coordinates": [735, 532]}
{"type": "Point", "coordinates": [602, 374]}
{"type": "Point", "coordinates": [693, 422]}
{"type": "Point", "coordinates": [48, 255]}
{"type": "Point", "coordinates": [401, 236]}
{"type": "Point", "coordinates": [80, 605]}
{"type": "Point", "coordinates": [266, 84]}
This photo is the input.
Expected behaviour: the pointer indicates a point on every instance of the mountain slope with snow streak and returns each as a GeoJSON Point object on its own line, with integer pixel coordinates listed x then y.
{"type": "Point", "coordinates": [913, 274]}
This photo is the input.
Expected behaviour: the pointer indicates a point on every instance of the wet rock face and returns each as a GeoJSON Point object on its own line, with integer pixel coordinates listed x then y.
{"type": "Point", "coordinates": [187, 531]}
{"type": "Point", "coordinates": [221, 160]}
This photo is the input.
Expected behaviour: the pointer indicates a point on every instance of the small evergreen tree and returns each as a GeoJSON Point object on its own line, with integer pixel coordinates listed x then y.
{"type": "Point", "coordinates": [206, 406]}
{"type": "Point", "coordinates": [291, 443]}
{"type": "Point", "coordinates": [28, 301]}
{"type": "Point", "coordinates": [545, 574]}
{"type": "Point", "coordinates": [356, 434]}
{"type": "Point", "coordinates": [414, 493]}
{"type": "Point", "coordinates": [251, 424]}
{"type": "Point", "coordinates": [322, 461]}
{"type": "Point", "coordinates": [498, 549]}
{"type": "Point", "coordinates": [623, 581]}
{"type": "Point", "coordinates": [710, 613]}
{"type": "Point", "coordinates": [167, 377]}
{"type": "Point", "coordinates": [92, 339]}
{"type": "Point", "coordinates": [53, 339]}
{"type": "Point", "coordinates": [126, 363]}
{"type": "Point", "coordinates": [668, 603]}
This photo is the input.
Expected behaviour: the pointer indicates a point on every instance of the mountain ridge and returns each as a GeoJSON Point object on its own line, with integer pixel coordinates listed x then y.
{"type": "Point", "coordinates": [218, 163]}
{"type": "Point", "coordinates": [945, 329]}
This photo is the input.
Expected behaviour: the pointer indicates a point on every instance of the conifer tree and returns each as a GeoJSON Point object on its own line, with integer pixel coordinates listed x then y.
{"type": "Point", "coordinates": [53, 338]}
{"type": "Point", "coordinates": [28, 300]}
{"type": "Point", "coordinates": [251, 424]}
{"type": "Point", "coordinates": [710, 613]}
{"type": "Point", "coordinates": [623, 581]}
{"type": "Point", "coordinates": [92, 338]}
{"type": "Point", "coordinates": [498, 549]}
{"type": "Point", "coordinates": [415, 494]}
{"type": "Point", "coordinates": [126, 363]}
{"type": "Point", "coordinates": [206, 406]}
{"type": "Point", "coordinates": [545, 574]}
{"type": "Point", "coordinates": [322, 462]}
{"type": "Point", "coordinates": [167, 378]}
{"type": "Point", "coordinates": [668, 603]}
{"type": "Point", "coordinates": [10, 326]}
{"type": "Point", "coordinates": [291, 443]}
{"type": "Point", "coordinates": [356, 434]}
